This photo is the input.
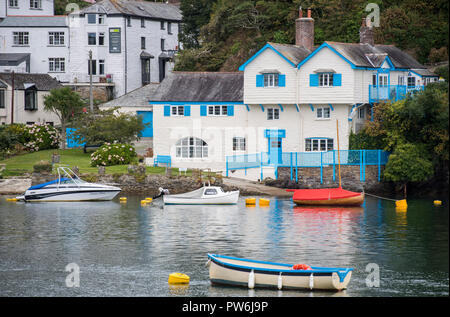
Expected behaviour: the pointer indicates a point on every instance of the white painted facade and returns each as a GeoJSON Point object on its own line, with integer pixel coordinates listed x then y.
{"type": "Point", "coordinates": [124, 67]}
{"type": "Point", "coordinates": [24, 29]}
{"type": "Point", "coordinates": [39, 43]}
{"type": "Point", "coordinates": [26, 7]}
{"type": "Point", "coordinates": [21, 115]}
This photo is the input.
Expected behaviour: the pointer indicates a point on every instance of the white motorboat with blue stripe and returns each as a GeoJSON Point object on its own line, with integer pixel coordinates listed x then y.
{"type": "Point", "coordinates": [69, 187]}
{"type": "Point", "coordinates": [252, 273]}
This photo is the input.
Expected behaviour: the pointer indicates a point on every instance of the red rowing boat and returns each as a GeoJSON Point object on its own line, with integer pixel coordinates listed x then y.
{"type": "Point", "coordinates": [327, 196]}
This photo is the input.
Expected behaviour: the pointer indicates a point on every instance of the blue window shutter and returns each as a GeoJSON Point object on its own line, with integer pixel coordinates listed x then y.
{"type": "Point", "coordinates": [230, 110]}
{"type": "Point", "coordinates": [259, 80]}
{"type": "Point", "coordinates": [187, 111]}
{"type": "Point", "coordinates": [203, 110]}
{"type": "Point", "coordinates": [166, 111]}
{"type": "Point", "coordinates": [314, 80]}
{"type": "Point", "coordinates": [337, 79]}
{"type": "Point", "coordinates": [282, 80]}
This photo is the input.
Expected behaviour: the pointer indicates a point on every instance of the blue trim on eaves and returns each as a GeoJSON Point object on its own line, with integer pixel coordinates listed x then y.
{"type": "Point", "coordinates": [242, 67]}
{"type": "Point", "coordinates": [196, 102]}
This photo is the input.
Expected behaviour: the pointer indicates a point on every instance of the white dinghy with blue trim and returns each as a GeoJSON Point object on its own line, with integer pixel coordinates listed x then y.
{"type": "Point", "coordinates": [252, 273]}
{"type": "Point", "coordinates": [206, 195]}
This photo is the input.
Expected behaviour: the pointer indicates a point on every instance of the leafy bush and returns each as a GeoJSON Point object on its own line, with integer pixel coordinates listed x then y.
{"type": "Point", "coordinates": [113, 154]}
{"type": "Point", "coordinates": [41, 137]}
{"type": "Point", "coordinates": [42, 167]}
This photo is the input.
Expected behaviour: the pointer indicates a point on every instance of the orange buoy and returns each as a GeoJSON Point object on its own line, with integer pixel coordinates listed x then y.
{"type": "Point", "coordinates": [301, 267]}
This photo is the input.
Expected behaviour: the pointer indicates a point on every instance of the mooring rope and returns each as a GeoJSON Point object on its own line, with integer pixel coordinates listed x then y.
{"type": "Point", "coordinates": [381, 197]}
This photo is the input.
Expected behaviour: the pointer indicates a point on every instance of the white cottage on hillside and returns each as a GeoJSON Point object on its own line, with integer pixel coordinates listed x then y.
{"type": "Point", "coordinates": [283, 103]}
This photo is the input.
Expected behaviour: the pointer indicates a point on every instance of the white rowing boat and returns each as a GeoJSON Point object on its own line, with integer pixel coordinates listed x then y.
{"type": "Point", "coordinates": [207, 195]}
{"type": "Point", "coordinates": [252, 273]}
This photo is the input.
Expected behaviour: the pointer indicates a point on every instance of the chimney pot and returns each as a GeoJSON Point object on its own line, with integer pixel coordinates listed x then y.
{"type": "Point", "coordinates": [300, 13]}
{"type": "Point", "coordinates": [309, 13]}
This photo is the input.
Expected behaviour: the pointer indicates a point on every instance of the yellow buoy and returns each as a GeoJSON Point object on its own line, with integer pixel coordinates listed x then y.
{"type": "Point", "coordinates": [437, 202]}
{"type": "Point", "coordinates": [143, 202]}
{"type": "Point", "coordinates": [148, 199]}
{"type": "Point", "coordinates": [123, 198]}
{"type": "Point", "coordinates": [11, 199]}
{"type": "Point", "coordinates": [401, 203]}
{"type": "Point", "coordinates": [264, 202]}
{"type": "Point", "coordinates": [178, 278]}
{"type": "Point", "coordinates": [250, 201]}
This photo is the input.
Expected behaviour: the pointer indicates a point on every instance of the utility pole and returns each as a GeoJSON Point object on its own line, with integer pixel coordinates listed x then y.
{"type": "Point", "coordinates": [12, 97]}
{"type": "Point", "coordinates": [91, 97]}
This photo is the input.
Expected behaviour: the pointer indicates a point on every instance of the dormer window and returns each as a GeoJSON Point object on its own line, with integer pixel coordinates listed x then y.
{"type": "Point", "coordinates": [270, 80]}
{"type": "Point", "coordinates": [325, 79]}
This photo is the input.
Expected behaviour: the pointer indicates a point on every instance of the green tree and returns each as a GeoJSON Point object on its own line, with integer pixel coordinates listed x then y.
{"type": "Point", "coordinates": [107, 126]}
{"type": "Point", "coordinates": [195, 15]}
{"type": "Point", "coordinates": [408, 163]}
{"type": "Point", "coordinates": [65, 103]}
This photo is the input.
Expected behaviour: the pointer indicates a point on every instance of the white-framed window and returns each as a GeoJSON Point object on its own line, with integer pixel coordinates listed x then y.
{"type": "Point", "coordinates": [401, 80]}
{"type": "Point", "coordinates": [325, 79]}
{"type": "Point", "coordinates": [323, 113]}
{"type": "Point", "coordinates": [56, 64]}
{"type": "Point", "coordinates": [383, 80]}
{"type": "Point", "coordinates": [273, 113]}
{"type": "Point", "coordinates": [191, 147]}
{"type": "Point", "coordinates": [35, 4]}
{"type": "Point", "coordinates": [55, 38]}
{"type": "Point", "coordinates": [361, 113]}
{"type": "Point", "coordinates": [101, 19]}
{"type": "Point", "coordinates": [177, 110]}
{"type": "Point", "coordinates": [2, 98]}
{"type": "Point", "coordinates": [238, 144]}
{"type": "Point", "coordinates": [101, 38]}
{"type": "Point", "coordinates": [101, 67]}
{"type": "Point", "coordinates": [21, 38]}
{"type": "Point", "coordinates": [217, 110]}
{"type": "Point", "coordinates": [318, 144]}
{"type": "Point", "coordinates": [270, 80]}
{"type": "Point", "coordinates": [411, 81]}
{"type": "Point", "coordinates": [92, 38]}
{"type": "Point", "coordinates": [13, 3]}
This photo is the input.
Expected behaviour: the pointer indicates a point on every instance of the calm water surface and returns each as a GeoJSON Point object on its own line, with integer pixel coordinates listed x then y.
{"type": "Point", "coordinates": [130, 250]}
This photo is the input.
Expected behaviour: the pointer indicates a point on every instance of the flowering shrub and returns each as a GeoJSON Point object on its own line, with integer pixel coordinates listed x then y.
{"type": "Point", "coordinates": [113, 154]}
{"type": "Point", "coordinates": [41, 137]}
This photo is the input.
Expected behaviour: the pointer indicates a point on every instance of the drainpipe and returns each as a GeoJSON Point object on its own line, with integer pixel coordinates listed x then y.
{"type": "Point", "coordinates": [12, 97]}
{"type": "Point", "coordinates": [126, 64]}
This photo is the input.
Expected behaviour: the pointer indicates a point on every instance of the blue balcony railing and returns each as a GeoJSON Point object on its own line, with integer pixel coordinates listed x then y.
{"type": "Point", "coordinates": [296, 160]}
{"type": "Point", "coordinates": [393, 93]}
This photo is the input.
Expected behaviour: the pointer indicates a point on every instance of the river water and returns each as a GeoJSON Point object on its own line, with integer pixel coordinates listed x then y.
{"type": "Point", "coordinates": [125, 249]}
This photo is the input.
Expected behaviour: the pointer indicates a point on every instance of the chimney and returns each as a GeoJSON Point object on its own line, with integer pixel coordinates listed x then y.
{"type": "Point", "coordinates": [304, 30]}
{"type": "Point", "coordinates": [366, 34]}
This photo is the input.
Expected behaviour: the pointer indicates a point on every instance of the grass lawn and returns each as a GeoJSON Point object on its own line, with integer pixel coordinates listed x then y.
{"type": "Point", "coordinates": [21, 164]}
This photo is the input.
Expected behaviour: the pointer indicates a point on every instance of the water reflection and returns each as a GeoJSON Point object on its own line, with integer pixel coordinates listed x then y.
{"type": "Point", "coordinates": [126, 249]}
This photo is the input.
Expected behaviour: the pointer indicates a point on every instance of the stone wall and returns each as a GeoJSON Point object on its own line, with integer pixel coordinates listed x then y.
{"type": "Point", "coordinates": [309, 177]}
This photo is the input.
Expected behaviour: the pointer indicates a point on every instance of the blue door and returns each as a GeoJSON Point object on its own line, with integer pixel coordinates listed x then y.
{"type": "Point", "coordinates": [275, 147]}
{"type": "Point", "coordinates": [275, 150]}
{"type": "Point", "coordinates": [147, 117]}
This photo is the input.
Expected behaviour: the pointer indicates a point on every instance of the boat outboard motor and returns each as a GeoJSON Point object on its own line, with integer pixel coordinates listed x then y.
{"type": "Point", "coordinates": [162, 192]}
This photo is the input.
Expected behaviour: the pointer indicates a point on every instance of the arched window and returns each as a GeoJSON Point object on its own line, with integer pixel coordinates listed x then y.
{"type": "Point", "coordinates": [191, 147]}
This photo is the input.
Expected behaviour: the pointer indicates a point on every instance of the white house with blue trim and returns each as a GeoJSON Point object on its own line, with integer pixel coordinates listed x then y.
{"type": "Point", "coordinates": [284, 101]}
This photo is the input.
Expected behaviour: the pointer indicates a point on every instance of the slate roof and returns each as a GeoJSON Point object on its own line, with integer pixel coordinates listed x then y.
{"type": "Point", "coordinates": [135, 98]}
{"type": "Point", "coordinates": [294, 53]}
{"type": "Point", "coordinates": [200, 86]}
{"type": "Point", "coordinates": [365, 55]}
{"type": "Point", "coordinates": [154, 10]}
{"type": "Point", "coordinates": [13, 59]}
{"type": "Point", "coordinates": [34, 21]}
{"type": "Point", "coordinates": [21, 80]}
